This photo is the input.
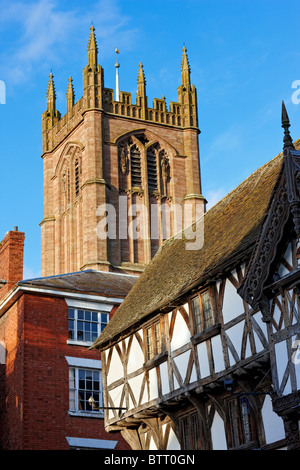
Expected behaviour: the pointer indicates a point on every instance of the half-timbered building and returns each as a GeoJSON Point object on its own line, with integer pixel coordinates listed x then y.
{"type": "Point", "coordinates": [202, 354]}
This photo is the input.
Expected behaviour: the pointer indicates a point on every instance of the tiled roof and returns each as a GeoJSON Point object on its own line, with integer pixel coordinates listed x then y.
{"type": "Point", "coordinates": [230, 230]}
{"type": "Point", "coordinates": [103, 283]}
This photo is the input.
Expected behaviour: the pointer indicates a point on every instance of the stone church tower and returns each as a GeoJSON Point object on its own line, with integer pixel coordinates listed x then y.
{"type": "Point", "coordinates": [108, 153]}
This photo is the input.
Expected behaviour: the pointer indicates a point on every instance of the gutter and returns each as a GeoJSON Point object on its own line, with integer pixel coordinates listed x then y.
{"type": "Point", "coordinates": [15, 293]}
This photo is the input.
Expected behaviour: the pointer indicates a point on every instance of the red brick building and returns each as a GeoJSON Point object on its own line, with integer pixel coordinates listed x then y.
{"type": "Point", "coordinates": [47, 372]}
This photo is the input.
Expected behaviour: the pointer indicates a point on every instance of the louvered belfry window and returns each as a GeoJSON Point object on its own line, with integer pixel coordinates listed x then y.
{"type": "Point", "coordinates": [152, 170]}
{"type": "Point", "coordinates": [135, 159]}
{"type": "Point", "coordinates": [76, 178]}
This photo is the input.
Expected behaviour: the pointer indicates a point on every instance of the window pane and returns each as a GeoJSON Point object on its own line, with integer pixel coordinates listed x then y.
{"type": "Point", "coordinates": [149, 344]}
{"type": "Point", "coordinates": [72, 378]}
{"type": "Point", "coordinates": [71, 313]}
{"type": "Point", "coordinates": [104, 317]}
{"type": "Point", "coordinates": [94, 336]}
{"type": "Point", "coordinates": [87, 316]}
{"type": "Point", "coordinates": [94, 316]}
{"type": "Point", "coordinates": [196, 314]}
{"type": "Point", "coordinates": [245, 418]}
{"type": "Point", "coordinates": [80, 314]}
{"type": "Point", "coordinates": [157, 338]}
{"type": "Point", "coordinates": [71, 329]}
{"type": "Point", "coordinates": [207, 310]}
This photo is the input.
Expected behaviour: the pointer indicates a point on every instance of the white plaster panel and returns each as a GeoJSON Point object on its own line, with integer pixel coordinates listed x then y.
{"type": "Point", "coordinates": [116, 370]}
{"type": "Point", "coordinates": [232, 361]}
{"type": "Point", "coordinates": [276, 316]}
{"type": "Point", "coordinates": [153, 389]}
{"type": "Point", "coordinates": [186, 308]}
{"type": "Point", "coordinates": [181, 362]}
{"type": "Point", "coordinates": [281, 360]}
{"type": "Point", "coordinates": [235, 334]}
{"type": "Point", "coordinates": [115, 395]}
{"type": "Point", "coordinates": [262, 325]}
{"type": "Point", "coordinates": [203, 360]}
{"type": "Point", "coordinates": [173, 443]}
{"type": "Point", "coordinates": [273, 424]}
{"type": "Point", "coordinates": [296, 359]}
{"type": "Point", "coordinates": [136, 385]}
{"type": "Point", "coordinates": [218, 355]}
{"type": "Point", "coordinates": [248, 352]}
{"type": "Point", "coordinates": [152, 445]}
{"type": "Point", "coordinates": [193, 377]}
{"type": "Point", "coordinates": [181, 333]}
{"type": "Point", "coordinates": [282, 270]}
{"type": "Point", "coordinates": [232, 303]}
{"type": "Point", "coordinates": [136, 356]}
{"type": "Point", "coordinates": [175, 381]}
{"type": "Point", "coordinates": [218, 435]}
{"type": "Point", "coordinates": [293, 308]}
{"type": "Point", "coordinates": [288, 387]}
{"type": "Point", "coordinates": [164, 377]}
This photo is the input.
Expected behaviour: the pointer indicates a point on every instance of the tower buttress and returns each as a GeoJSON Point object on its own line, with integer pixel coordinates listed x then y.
{"type": "Point", "coordinates": [187, 97]}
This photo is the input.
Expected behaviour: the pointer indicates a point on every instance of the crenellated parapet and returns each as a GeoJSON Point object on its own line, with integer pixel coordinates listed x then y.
{"type": "Point", "coordinates": [182, 114]}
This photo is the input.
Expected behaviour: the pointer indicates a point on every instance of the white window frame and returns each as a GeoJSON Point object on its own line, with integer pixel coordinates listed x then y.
{"type": "Point", "coordinates": [99, 308]}
{"type": "Point", "coordinates": [86, 364]}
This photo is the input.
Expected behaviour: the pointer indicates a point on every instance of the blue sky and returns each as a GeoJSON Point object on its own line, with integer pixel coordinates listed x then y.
{"type": "Point", "coordinates": [244, 57]}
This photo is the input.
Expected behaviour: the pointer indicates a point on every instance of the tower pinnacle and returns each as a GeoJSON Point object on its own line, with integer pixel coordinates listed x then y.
{"type": "Point", "coordinates": [92, 48]}
{"type": "Point", "coordinates": [185, 68]}
{"type": "Point", "coordinates": [51, 95]}
{"type": "Point", "coordinates": [70, 94]}
{"type": "Point", "coordinates": [141, 81]}
{"type": "Point", "coordinates": [141, 98]}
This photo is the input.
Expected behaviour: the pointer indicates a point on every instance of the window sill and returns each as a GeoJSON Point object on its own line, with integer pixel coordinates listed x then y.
{"type": "Point", "coordinates": [209, 332]}
{"type": "Point", "coordinates": [86, 414]}
{"type": "Point", "coordinates": [156, 361]}
{"type": "Point", "coordinates": [74, 342]}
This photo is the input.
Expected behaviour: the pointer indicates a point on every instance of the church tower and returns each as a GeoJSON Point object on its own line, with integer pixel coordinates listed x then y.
{"type": "Point", "coordinates": [118, 175]}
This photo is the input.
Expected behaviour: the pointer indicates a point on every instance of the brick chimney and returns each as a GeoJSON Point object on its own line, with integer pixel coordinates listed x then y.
{"type": "Point", "coordinates": [11, 260]}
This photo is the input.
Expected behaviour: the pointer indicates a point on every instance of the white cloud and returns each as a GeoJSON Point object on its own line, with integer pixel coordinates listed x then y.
{"type": "Point", "coordinates": [44, 32]}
